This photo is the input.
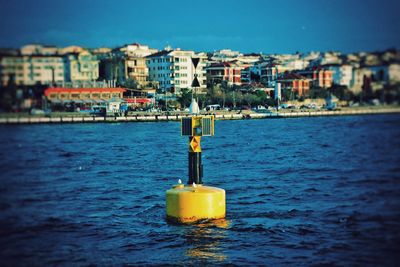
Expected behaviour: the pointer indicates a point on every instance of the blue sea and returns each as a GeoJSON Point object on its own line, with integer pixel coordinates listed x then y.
{"type": "Point", "coordinates": [321, 191]}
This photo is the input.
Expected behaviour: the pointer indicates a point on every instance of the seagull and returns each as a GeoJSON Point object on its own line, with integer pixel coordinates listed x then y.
{"type": "Point", "coordinates": [194, 184]}
{"type": "Point", "coordinates": [179, 181]}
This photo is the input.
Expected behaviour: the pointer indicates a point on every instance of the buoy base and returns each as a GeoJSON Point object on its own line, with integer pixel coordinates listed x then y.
{"type": "Point", "coordinates": [189, 204]}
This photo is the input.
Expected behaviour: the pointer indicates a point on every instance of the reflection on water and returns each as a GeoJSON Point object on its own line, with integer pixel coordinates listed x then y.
{"type": "Point", "coordinates": [206, 239]}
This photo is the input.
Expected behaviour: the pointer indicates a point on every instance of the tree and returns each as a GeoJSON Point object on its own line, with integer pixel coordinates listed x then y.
{"type": "Point", "coordinates": [131, 83]}
{"type": "Point", "coordinates": [8, 97]}
{"type": "Point", "coordinates": [215, 94]}
{"type": "Point", "coordinates": [185, 97]}
{"type": "Point", "coordinates": [262, 98]}
{"type": "Point", "coordinates": [249, 99]}
{"type": "Point", "coordinates": [318, 92]}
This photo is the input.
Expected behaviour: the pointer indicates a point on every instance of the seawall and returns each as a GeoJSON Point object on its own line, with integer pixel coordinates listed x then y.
{"type": "Point", "coordinates": [177, 117]}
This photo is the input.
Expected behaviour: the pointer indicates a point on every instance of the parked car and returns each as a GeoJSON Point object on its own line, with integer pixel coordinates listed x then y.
{"type": "Point", "coordinates": [212, 107]}
{"type": "Point", "coordinates": [36, 111]}
{"type": "Point", "coordinates": [98, 111]}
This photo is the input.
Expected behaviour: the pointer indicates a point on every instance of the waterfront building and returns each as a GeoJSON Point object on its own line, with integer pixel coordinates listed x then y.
{"type": "Point", "coordinates": [247, 60]}
{"type": "Point", "coordinates": [224, 71]}
{"type": "Point", "coordinates": [38, 64]}
{"type": "Point", "coordinates": [295, 83]}
{"type": "Point", "coordinates": [225, 55]}
{"type": "Point", "coordinates": [37, 49]}
{"type": "Point", "coordinates": [127, 62]}
{"type": "Point", "coordinates": [320, 77]}
{"type": "Point", "coordinates": [100, 51]}
{"type": "Point", "coordinates": [266, 72]}
{"type": "Point", "coordinates": [32, 69]}
{"type": "Point", "coordinates": [341, 74]}
{"type": "Point", "coordinates": [386, 73]}
{"type": "Point", "coordinates": [135, 65]}
{"type": "Point", "coordinates": [327, 58]}
{"type": "Point", "coordinates": [174, 70]}
{"type": "Point", "coordinates": [245, 75]}
{"type": "Point", "coordinates": [82, 66]}
{"type": "Point", "coordinates": [82, 97]}
{"type": "Point", "coordinates": [394, 73]}
{"type": "Point", "coordinates": [85, 98]}
{"type": "Point", "coordinates": [269, 73]}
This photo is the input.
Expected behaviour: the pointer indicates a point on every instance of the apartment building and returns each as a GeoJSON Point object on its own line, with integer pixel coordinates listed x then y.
{"type": "Point", "coordinates": [224, 71]}
{"type": "Point", "coordinates": [175, 69]}
{"type": "Point", "coordinates": [81, 66]}
{"type": "Point", "coordinates": [341, 74]}
{"type": "Point", "coordinates": [127, 62]}
{"type": "Point", "coordinates": [32, 69]}
{"type": "Point", "coordinates": [135, 63]}
{"type": "Point", "coordinates": [320, 77]}
{"type": "Point", "coordinates": [295, 83]}
{"type": "Point", "coordinates": [37, 64]}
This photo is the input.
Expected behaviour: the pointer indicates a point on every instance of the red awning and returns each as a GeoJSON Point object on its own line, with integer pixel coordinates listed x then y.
{"type": "Point", "coordinates": [83, 90]}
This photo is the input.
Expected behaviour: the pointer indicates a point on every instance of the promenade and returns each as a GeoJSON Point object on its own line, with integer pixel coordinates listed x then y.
{"type": "Point", "coordinates": [27, 119]}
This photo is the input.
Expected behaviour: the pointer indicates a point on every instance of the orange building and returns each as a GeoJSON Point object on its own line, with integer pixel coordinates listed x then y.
{"type": "Point", "coordinates": [295, 83]}
{"type": "Point", "coordinates": [320, 77]}
{"type": "Point", "coordinates": [224, 71]}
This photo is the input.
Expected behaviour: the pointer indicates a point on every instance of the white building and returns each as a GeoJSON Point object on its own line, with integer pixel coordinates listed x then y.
{"type": "Point", "coordinates": [394, 73]}
{"type": "Point", "coordinates": [37, 64]}
{"type": "Point", "coordinates": [327, 58]}
{"type": "Point", "coordinates": [33, 69]}
{"type": "Point", "coordinates": [135, 62]}
{"type": "Point", "coordinates": [127, 62]}
{"type": "Point", "coordinates": [342, 74]}
{"type": "Point", "coordinates": [388, 74]}
{"type": "Point", "coordinates": [225, 55]}
{"type": "Point", "coordinates": [174, 70]}
{"type": "Point", "coordinates": [81, 66]}
{"type": "Point", "coordinates": [37, 49]}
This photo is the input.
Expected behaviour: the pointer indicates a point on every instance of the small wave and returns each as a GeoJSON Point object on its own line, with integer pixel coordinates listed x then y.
{"type": "Point", "coordinates": [67, 154]}
{"type": "Point", "coordinates": [311, 190]}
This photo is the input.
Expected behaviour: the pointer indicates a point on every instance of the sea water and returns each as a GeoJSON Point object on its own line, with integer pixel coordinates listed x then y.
{"type": "Point", "coordinates": [300, 192]}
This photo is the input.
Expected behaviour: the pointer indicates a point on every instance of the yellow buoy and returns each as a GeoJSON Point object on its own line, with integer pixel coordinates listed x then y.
{"type": "Point", "coordinates": [187, 204]}
{"type": "Point", "coordinates": [195, 202]}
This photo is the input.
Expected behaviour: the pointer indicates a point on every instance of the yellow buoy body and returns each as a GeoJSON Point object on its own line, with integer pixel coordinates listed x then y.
{"type": "Point", "coordinates": [187, 204]}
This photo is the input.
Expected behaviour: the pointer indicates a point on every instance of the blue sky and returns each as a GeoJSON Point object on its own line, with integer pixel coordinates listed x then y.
{"type": "Point", "coordinates": [248, 26]}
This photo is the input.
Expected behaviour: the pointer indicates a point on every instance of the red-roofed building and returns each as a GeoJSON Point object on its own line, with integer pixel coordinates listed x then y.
{"type": "Point", "coordinates": [295, 83]}
{"type": "Point", "coordinates": [83, 97]}
{"type": "Point", "coordinates": [224, 71]}
{"type": "Point", "coordinates": [87, 97]}
{"type": "Point", "coordinates": [320, 77]}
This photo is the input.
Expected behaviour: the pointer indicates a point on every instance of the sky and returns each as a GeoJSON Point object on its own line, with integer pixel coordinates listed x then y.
{"type": "Point", "coordinates": [243, 25]}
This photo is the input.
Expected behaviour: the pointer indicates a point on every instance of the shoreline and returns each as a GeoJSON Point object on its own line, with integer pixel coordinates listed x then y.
{"type": "Point", "coordinates": [177, 117]}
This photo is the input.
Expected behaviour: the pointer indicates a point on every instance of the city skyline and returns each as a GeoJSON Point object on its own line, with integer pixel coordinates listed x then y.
{"type": "Point", "coordinates": [258, 26]}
